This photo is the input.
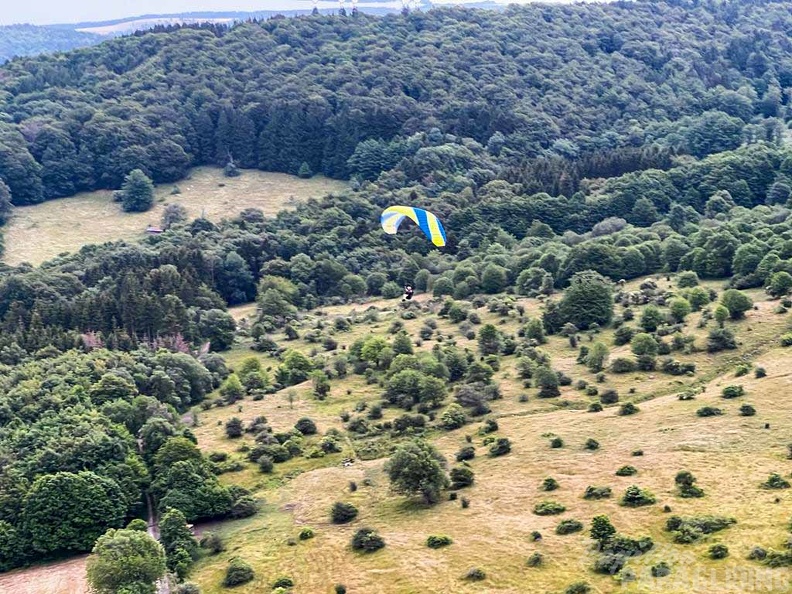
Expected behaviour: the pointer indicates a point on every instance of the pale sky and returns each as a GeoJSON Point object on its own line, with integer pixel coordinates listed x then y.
{"type": "Point", "coordinates": [43, 12]}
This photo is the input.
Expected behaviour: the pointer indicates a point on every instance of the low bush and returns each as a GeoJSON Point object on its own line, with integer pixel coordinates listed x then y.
{"type": "Point", "coordinates": [660, 570]}
{"type": "Point", "coordinates": [549, 508]}
{"type": "Point", "coordinates": [634, 496]}
{"type": "Point", "coordinates": [501, 447]}
{"type": "Point", "coordinates": [746, 410]}
{"type": "Point", "coordinates": [597, 492]}
{"type": "Point", "coordinates": [283, 582]}
{"type": "Point", "coordinates": [718, 551]}
{"type": "Point", "coordinates": [578, 588]}
{"type": "Point", "coordinates": [367, 540]}
{"type": "Point", "coordinates": [775, 481]}
{"type": "Point", "coordinates": [238, 572]}
{"type": "Point", "coordinates": [461, 477]}
{"type": "Point", "coordinates": [609, 564]}
{"type": "Point", "coordinates": [609, 397]}
{"type": "Point", "coordinates": [627, 471]}
{"type": "Point", "coordinates": [437, 541]}
{"type": "Point", "coordinates": [549, 484]}
{"type": "Point", "coordinates": [535, 560]}
{"type": "Point", "coordinates": [709, 411]}
{"type": "Point", "coordinates": [624, 365]}
{"type": "Point", "coordinates": [307, 534]}
{"type": "Point", "coordinates": [628, 408]}
{"type": "Point", "coordinates": [757, 554]}
{"type": "Point", "coordinates": [637, 452]}
{"type": "Point", "coordinates": [466, 453]}
{"type": "Point", "coordinates": [475, 574]}
{"type": "Point", "coordinates": [594, 407]}
{"type": "Point", "coordinates": [212, 542]}
{"type": "Point", "coordinates": [733, 392]}
{"type": "Point", "coordinates": [556, 442]}
{"type": "Point", "coordinates": [591, 444]}
{"type": "Point", "coordinates": [568, 527]}
{"type": "Point", "coordinates": [341, 513]}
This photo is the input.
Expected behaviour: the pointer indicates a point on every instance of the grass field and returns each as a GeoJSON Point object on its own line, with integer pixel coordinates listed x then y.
{"type": "Point", "coordinates": [730, 455]}
{"type": "Point", "coordinates": [38, 233]}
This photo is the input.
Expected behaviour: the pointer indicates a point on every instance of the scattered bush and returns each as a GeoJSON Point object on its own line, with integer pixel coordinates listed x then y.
{"type": "Point", "coordinates": [628, 408]}
{"type": "Point", "coordinates": [718, 551]}
{"type": "Point", "coordinates": [709, 411]}
{"type": "Point", "coordinates": [239, 572]}
{"type": "Point", "coordinates": [757, 554]}
{"type": "Point", "coordinates": [549, 484]}
{"type": "Point", "coordinates": [212, 542]}
{"type": "Point", "coordinates": [535, 560]}
{"type": "Point", "coordinates": [306, 534]}
{"type": "Point", "coordinates": [609, 564]}
{"type": "Point", "coordinates": [549, 508]}
{"type": "Point", "coordinates": [634, 496]}
{"type": "Point", "coordinates": [627, 471]}
{"type": "Point", "coordinates": [501, 447]}
{"type": "Point", "coordinates": [732, 392]}
{"type": "Point", "coordinates": [283, 582]}
{"type": "Point", "coordinates": [466, 453]}
{"type": "Point", "coordinates": [609, 397]}
{"type": "Point", "coordinates": [637, 453]}
{"type": "Point", "coordinates": [341, 513]}
{"type": "Point", "coordinates": [594, 407]}
{"type": "Point", "coordinates": [624, 365]}
{"type": "Point", "coordinates": [556, 442]}
{"type": "Point", "coordinates": [568, 527]}
{"type": "Point", "coordinates": [746, 410]}
{"type": "Point", "coordinates": [685, 482]}
{"type": "Point", "coordinates": [760, 372]}
{"type": "Point", "coordinates": [461, 477]}
{"type": "Point", "coordinates": [591, 444]}
{"type": "Point", "coordinates": [597, 492]}
{"type": "Point", "coordinates": [438, 541]}
{"type": "Point", "coordinates": [661, 569]}
{"type": "Point", "coordinates": [775, 481]}
{"type": "Point", "coordinates": [367, 540]}
{"type": "Point", "coordinates": [578, 588]}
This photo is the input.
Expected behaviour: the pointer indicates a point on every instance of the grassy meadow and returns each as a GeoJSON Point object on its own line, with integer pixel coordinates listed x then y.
{"type": "Point", "coordinates": [730, 455]}
{"type": "Point", "coordinates": [40, 232]}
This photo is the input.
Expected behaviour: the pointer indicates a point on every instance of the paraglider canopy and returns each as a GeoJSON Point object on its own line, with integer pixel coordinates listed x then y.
{"type": "Point", "coordinates": [393, 216]}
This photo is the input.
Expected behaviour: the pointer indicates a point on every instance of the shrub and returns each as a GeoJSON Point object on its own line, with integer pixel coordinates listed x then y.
{"type": "Point", "coordinates": [594, 407]}
{"type": "Point", "coordinates": [244, 507]}
{"type": "Point", "coordinates": [709, 411]}
{"type": "Point", "coordinates": [549, 484]}
{"type": "Point", "coordinates": [757, 554]}
{"type": "Point", "coordinates": [549, 508]}
{"type": "Point", "coordinates": [438, 541]}
{"type": "Point", "coordinates": [609, 564]}
{"type": "Point", "coordinates": [186, 588]}
{"type": "Point", "coordinates": [501, 447]}
{"type": "Point", "coordinates": [568, 527]}
{"type": "Point", "coordinates": [732, 392]}
{"type": "Point", "coordinates": [592, 444]}
{"type": "Point", "coordinates": [340, 589]}
{"type": "Point", "coordinates": [466, 453]}
{"type": "Point", "coordinates": [283, 582]}
{"type": "Point", "coordinates": [265, 464]}
{"type": "Point", "coordinates": [341, 513]}
{"type": "Point", "coordinates": [634, 496]}
{"type": "Point", "coordinates": [535, 560]}
{"type": "Point", "coordinates": [637, 452]}
{"type": "Point", "coordinates": [691, 529]}
{"type": "Point", "coordinates": [597, 492]}
{"type": "Point", "coordinates": [578, 588]}
{"type": "Point", "coordinates": [661, 569]}
{"type": "Point", "coordinates": [238, 573]}
{"type": "Point", "coordinates": [746, 410]}
{"type": "Point", "coordinates": [722, 339]}
{"type": "Point", "coordinates": [718, 551]}
{"type": "Point", "coordinates": [624, 365]}
{"type": "Point", "coordinates": [535, 535]}
{"type": "Point", "coordinates": [685, 482]}
{"type": "Point", "coordinates": [687, 279]}
{"type": "Point", "coordinates": [760, 372]}
{"type": "Point", "coordinates": [627, 471]}
{"type": "Point", "coordinates": [736, 302]}
{"type": "Point", "coordinates": [609, 397]}
{"type": "Point", "coordinates": [775, 481]}
{"type": "Point", "coordinates": [674, 367]}
{"type": "Point", "coordinates": [556, 442]}
{"type": "Point", "coordinates": [367, 540]}
{"type": "Point", "coordinates": [786, 339]}
{"type": "Point", "coordinates": [474, 574]}
{"type": "Point", "coordinates": [306, 534]}
{"type": "Point", "coordinates": [461, 477]}
{"type": "Point", "coordinates": [138, 525]}
{"type": "Point", "coordinates": [212, 542]}
{"type": "Point", "coordinates": [490, 426]}
{"type": "Point", "coordinates": [628, 408]}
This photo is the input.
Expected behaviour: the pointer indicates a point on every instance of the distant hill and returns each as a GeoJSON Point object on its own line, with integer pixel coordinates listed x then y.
{"type": "Point", "coordinates": [29, 40]}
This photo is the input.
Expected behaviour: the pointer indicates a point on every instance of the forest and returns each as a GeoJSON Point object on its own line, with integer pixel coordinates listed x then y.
{"type": "Point", "coordinates": [567, 149]}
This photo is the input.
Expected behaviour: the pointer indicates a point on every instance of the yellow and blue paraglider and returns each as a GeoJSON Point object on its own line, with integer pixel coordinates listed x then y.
{"type": "Point", "coordinates": [393, 216]}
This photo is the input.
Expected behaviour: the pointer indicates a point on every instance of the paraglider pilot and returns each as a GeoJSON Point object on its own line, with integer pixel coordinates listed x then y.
{"type": "Point", "coordinates": [408, 292]}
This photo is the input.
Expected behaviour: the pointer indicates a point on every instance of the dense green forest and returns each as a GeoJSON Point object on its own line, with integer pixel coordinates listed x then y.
{"type": "Point", "coordinates": [625, 139]}
{"type": "Point", "coordinates": [27, 40]}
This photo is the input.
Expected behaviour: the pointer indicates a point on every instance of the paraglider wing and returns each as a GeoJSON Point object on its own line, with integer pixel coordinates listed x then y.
{"type": "Point", "coordinates": [393, 216]}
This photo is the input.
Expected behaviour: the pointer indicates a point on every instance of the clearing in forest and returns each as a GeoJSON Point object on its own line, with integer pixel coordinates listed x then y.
{"type": "Point", "coordinates": [41, 232]}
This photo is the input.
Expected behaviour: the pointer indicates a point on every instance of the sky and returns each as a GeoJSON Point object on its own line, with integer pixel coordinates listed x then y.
{"type": "Point", "coordinates": [45, 12]}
